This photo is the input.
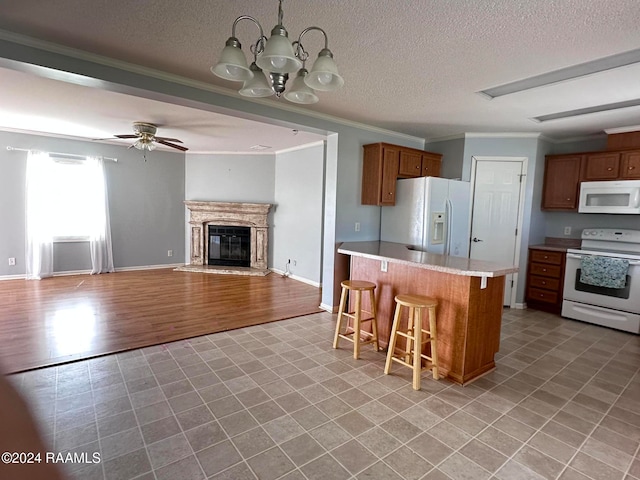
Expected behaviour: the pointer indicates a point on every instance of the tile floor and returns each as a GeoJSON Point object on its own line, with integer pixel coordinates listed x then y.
{"type": "Point", "coordinates": [276, 401]}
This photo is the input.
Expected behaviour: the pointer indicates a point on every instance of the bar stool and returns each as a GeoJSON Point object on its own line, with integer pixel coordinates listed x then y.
{"type": "Point", "coordinates": [357, 287]}
{"type": "Point", "coordinates": [413, 355]}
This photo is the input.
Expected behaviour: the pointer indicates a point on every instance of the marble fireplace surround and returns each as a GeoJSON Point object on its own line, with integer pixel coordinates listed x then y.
{"type": "Point", "coordinates": [252, 215]}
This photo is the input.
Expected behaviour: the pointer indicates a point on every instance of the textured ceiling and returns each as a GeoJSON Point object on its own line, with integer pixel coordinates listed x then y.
{"type": "Point", "coordinates": [409, 66]}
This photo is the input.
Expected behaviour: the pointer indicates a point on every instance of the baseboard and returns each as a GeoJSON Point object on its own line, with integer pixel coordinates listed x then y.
{"type": "Point", "coordinates": [12, 277]}
{"type": "Point", "coordinates": [88, 272]}
{"type": "Point", "coordinates": [329, 308]}
{"type": "Point", "coordinates": [295, 277]}
{"type": "Point", "coordinates": [520, 306]}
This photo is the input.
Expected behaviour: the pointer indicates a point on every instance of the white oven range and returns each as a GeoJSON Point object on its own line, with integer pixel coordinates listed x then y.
{"type": "Point", "coordinates": [610, 307]}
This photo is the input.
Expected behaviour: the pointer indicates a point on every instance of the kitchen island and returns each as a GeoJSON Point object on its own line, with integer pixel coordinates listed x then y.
{"type": "Point", "coordinates": [469, 294]}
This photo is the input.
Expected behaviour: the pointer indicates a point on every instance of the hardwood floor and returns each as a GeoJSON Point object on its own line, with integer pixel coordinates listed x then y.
{"type": "Point", "coordinates": [61, 319]}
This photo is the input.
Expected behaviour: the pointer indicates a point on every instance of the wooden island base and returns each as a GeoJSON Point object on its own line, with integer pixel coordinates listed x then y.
{"type": "Point", "coordinates": [468, 316]}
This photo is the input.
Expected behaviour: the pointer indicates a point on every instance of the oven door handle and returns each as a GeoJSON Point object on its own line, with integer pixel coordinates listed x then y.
{"type": "Point", "coordinates": [573, 255]}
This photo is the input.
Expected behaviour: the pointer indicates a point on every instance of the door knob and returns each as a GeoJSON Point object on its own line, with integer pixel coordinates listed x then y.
{"type": "Point", "coordinates": [476, 239]}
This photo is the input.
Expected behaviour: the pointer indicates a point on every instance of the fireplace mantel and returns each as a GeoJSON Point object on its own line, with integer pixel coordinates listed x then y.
{"type": "Point", "coordinates": [252, 215]}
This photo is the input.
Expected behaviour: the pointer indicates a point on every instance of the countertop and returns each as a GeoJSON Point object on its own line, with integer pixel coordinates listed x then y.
{"type": "Point", "coordinates": [399, 253]}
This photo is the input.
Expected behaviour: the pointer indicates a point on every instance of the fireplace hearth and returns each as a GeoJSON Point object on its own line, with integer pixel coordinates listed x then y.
{"type": "Point", "coordinates": [230, 238]}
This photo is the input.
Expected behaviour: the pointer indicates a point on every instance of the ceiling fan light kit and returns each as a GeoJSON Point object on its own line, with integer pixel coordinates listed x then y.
{"type": "Point", "coordinates": [279, 57]}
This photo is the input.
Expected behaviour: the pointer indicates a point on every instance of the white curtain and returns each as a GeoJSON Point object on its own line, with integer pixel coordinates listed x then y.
{"type": "Point", "coordinates": [39, 247]}
{"type": "Point", "coordinates": [100, 236]}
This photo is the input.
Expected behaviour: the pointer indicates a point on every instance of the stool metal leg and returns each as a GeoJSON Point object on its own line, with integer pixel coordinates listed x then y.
{"type": "Point", "coordinates": [343, 301]}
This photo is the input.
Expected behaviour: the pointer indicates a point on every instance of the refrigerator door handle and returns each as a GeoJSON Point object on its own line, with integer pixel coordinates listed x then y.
{"type": "Point", "coordinates": [448, 215]}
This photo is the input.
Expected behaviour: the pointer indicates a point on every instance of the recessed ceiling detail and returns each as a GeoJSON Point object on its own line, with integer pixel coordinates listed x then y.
{"type": "Point", "coordinates": [568, 73]}
{"type": "Point", "coordinates": [584, 111]}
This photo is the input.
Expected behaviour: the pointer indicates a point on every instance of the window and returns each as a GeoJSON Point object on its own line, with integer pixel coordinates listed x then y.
{"type": "Point", "coordinates": [68, 192]}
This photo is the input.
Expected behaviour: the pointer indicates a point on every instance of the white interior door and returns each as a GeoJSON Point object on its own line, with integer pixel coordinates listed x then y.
{"type": "Point", "coordinates": [496, 210]}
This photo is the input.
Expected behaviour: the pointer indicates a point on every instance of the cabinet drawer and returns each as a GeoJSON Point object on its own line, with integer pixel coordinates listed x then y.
{"type": "Point", "coordinates": [544, 282]}
{"type": "Point", "coordinates": [543, 256]}
{"type": "Point", "coordinates": [542, 296]}
{"type": "Point", "coordinates": [545, 270]}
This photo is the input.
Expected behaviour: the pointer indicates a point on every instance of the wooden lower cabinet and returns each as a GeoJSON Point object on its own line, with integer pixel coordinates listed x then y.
{"type": "Point", "coordinates": [545, 279]}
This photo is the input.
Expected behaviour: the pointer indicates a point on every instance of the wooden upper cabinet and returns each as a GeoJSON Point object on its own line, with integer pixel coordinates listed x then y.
{"type": "Point", "coordinates": [431, 164]}
{"type": "Point", "coordinates": [601, 166]}
{"type": "Point", "coordinates": [384, 163]}
{"type": "Point", "coordinates": [630, 165]}
{"type": "Point", "coordinates": [561, 182]}
{"type": "Point", "coordinates": [410, 164]}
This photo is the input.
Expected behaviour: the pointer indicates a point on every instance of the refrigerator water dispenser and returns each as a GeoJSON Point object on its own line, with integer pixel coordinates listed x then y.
{"type": "Point", "coordinates": [437, 227]}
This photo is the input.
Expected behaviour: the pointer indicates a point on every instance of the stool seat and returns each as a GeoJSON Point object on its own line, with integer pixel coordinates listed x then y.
{"type": "Point", "coordinates": [418, 301]}
{"type": "Point", "coordinates": [414, 336]}
{"type": "Point", "coordinates": [354, 333]}
{"type": "Point", "coordinates": [358, 285]}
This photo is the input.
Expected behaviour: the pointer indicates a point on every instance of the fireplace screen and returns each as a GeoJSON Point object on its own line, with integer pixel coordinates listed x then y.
{"type": "Point", "coordinates": [229, 246]}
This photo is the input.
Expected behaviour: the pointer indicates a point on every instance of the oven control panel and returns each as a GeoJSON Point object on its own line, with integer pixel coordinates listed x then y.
{"type": "Point", "coordinates": [611, 235]}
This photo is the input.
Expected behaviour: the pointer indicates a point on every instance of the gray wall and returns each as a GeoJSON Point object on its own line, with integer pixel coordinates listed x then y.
{"type": "Point", "coordinates": [297, 233]}
{"type": "Point", "coordinates": [145, 203]}
{"type": "Point", "coordinates": [452, 156]}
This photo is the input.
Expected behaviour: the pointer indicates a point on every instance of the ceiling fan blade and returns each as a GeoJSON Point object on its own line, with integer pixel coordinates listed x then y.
{"type": "Point", "coordinates": [169, 139]}
{"type": "Point", "coordinates": [169, 144]}
{"type": "Point", "coordinates": [126, 136]}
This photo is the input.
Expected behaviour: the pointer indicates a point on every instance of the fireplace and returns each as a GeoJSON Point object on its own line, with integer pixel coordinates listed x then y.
{"type": "Point", "coordinates": [229, 246]}
{"type": "Point", "coordinates": [228, 237]}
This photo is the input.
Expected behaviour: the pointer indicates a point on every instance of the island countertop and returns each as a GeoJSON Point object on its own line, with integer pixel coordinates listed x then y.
{"type": "Point", "coordinates": [400, 253]}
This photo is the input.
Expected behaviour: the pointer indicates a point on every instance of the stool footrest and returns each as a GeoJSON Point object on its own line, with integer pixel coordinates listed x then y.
{"type": "Point", "coordinates": [410, 365]}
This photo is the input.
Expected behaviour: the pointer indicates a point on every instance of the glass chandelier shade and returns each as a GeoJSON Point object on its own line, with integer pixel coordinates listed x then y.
{"type": "Point", "coordinates": [300, 92]}
{"type": "Point", "coordinates": [233, 63]}
{"type": "Point", "coordinates": [324, 73]}
{"type": "Point", "coordinates": [258, 86]}
{"type": "Point", "coordinates": [278, 55]}
{"type": "Point", "coordinates": [274, 59]}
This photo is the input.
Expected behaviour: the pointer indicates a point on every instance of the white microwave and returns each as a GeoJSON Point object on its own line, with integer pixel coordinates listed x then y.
{"type": "Point", "coordinates": [617, 196]}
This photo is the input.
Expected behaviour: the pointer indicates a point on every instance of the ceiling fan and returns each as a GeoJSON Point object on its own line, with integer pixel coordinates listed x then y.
{"type": "Point", "coordinates": [146, 135]}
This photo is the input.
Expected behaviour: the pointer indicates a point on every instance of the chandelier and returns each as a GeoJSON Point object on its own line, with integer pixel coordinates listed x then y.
{"type": "Point", "coordinates": [278, 57]}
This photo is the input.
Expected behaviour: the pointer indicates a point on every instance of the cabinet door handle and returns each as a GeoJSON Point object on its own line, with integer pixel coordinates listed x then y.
{"type": "Point", "coordinates": [544, 283]}
{"type": "Point", "coordinates": [609, 169]}
{"type": "Point", "coordinates": [631, 167]}
{"type": "Point", "coordinates": [568, 199]}
{"type": "Point", "coordinates": [417, 167]}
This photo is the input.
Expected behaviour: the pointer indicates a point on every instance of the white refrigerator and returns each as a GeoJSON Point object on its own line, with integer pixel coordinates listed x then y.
{"type": "Point", "coordinates": [430, 214]}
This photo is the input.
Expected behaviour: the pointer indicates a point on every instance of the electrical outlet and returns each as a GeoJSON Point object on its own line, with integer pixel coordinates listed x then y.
{"type": "Point", "coordinates": [12, 261]}
{"type": "Point", "coordinates": [295, 262]}
{"type": "Point", "coordinates": [384, 265]}
{"type": "Point", "coordinates": [567, 230]}
{"type": "Point", "coordinates": [357, 226]}
{"type": "Point", "coordinates": [169, 253]}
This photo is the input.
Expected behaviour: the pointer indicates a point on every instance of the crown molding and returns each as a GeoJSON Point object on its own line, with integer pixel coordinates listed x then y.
{"type": "Point", "coordinates": [502, 135]}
